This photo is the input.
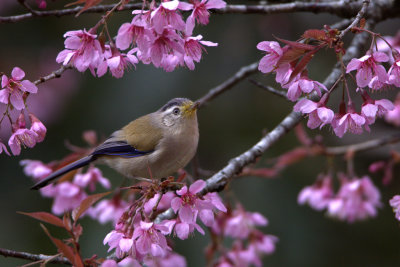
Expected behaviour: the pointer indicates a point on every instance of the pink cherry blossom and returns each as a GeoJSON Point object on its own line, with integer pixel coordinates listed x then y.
{"type": "Point", "coordinates": [166, 15]}
{"type": "Point", "coordinates": [164, 203]}
{"type": "Point", "coordinates": [109, 210]}
{"type": "Point", "coordinates": [283, 73]}
{"type": "Point", "coordinates": [171, 259]}
{"type": "Point", "coordinates": [350, 121]}
{"type": "Point", "coordinates": [303, 85]}
{"type": "Point", "coordinates": [35, 169]}
{"type": "Point", "coordinates": [317, 195]}
{"type": "Point", "coordinates": [117, 63]}
{"type": "Point", "coordinates": [38, 127]}
{"type": "Point", "coordinates": [83, 50]}
{"type": "Point", "coordinates": [356, 200]}
{"type": "Point", "coordinates": [375, 108]}
{"type": "Point", "coordinates": [393, 116]}
{"type": "Point", "coordinates": [3, 148]}
{"type": "Point", "coordinates": [136, 32]}
{"type": "Point", "coordinates": [193, 49]}
{"type": "Point", "coordinates": [67, 197]}
{"type": "Point", "coordinates": [395, 204]}
{"type": "Point", "coordinates": [184, 229]}
{"type": "Point", "coordinates": [368, 67]}
{"type": "Point", "coordinates": [274, 52]}
{"type": "Point", "coordinates": [14, 88]}
{"type": "Point", "coordinates": [116, 240]}
{"type": "Point", "coordinates": [200, 11]}
{"type": "Point", "coordinates": [262, 244]}
{"type": "Point", "coordinates": [242, 222]}
{"type": "Point", "coordinates": [394, 73]}
{"type": "Point", "coordinates": [318, 114]}
{"type": "Point", "coordinates": [243, 257]}
{"type": "Point", "coordinates": [23, 137]}
{"type": "Point", "coordinates": [149, 239]}
{"type": "Point", "coordinates": [90, 178]}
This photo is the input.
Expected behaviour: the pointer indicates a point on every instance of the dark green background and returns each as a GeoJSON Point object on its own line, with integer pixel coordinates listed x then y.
{"type": "Point", "coordinates": [228, 126]}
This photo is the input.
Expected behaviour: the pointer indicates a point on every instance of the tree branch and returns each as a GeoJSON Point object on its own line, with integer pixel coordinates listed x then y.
{"type": "Point", "coordinates": [53, 75]}
{"type": "Point", "coordinates": [270, 89]}
{"type": "Point", "coordinates": [344, 9]}
{"type": "Point", "coordinates": [218, 181]}
{"type": "Point", "coordinates": [237, 77]}
{"type": "Point", "coordinates": [370, 144]}
{"type": "Point", "coordinates": [359, 16]}
{"type": "Point", "coordinates": [33, 257]}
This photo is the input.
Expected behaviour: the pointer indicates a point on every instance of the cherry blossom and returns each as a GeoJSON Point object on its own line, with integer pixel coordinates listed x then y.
{"type": "Point", "coordinates": [373, 108]}
{"type": "Point", "coordinates": [83, 50]}
{"type": "Point", "coordinates": [35, 169]}
{"type": "Point", "coordinates": [318, 114]}
{"type": "Point", "coordinates": [303, 85]}
{"type": "Point", "coordinates": [394, 73]}
{"type": "Point", "coordinates": [137, 32]}
{"type": "Point", "coordinates": [38, 127]}
{"type": "Point", "coordinates": [350, 121]}
{"type": "Point", "coordinates": [393, 116]}
{"type": "Point", "coordinates": [317, 195]}
{"type": "Point", "coordinates": [149, 239]}
{"type": "Point", "coordinates": [109, 210]}
{"type": "Point", "coordinates": [274, 52]}
{"type": "Point", "coordinates": [67, 196]}
{"type": "Point", "coordinates": [117, 63]}
{"type": "Point", "coordinates": [171, 259]}
{"type": "Point", "coordinates": [241, 223]}
{"type": "Point", "coordinates": [14, 88]}
{"type": "Point", "coordinates": [90, 178]}
{"type": "Point", "coordinates": [395, 204]}
{"type": "Point", "coordinates": [368, 67]}
{"type": "Point", "coordinates": [200, 11]}
{"type": "Point", "coordinates": [356, 200]}
{"type": "Point", "coordinates": [166, 15]}
{"type": "Point", "coordinates": [193, 49]}
{"type": "Point", "coordinates": [23, 137]}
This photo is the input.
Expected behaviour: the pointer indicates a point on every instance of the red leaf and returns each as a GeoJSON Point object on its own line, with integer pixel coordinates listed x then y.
{"type": "Point", "coordinates": [66, 250]}
{"type": "Point", "coordinates": [85, 204]}
{"type": "Point", "coordinates": [303, 63]}
{"type": "Point", "coordinates": [314, 34]}
{"type": "Point", "coordinates": [88, 4]}
{"type": "Point", "coordinates": [296, 44]}
{"type": "Point", "coordinates": [290, 55]}
{"type": "Point", "coordinates": [44, 217]}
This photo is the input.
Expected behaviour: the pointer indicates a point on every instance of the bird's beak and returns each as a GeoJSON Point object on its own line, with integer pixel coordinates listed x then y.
{"type": "Point", "coordinates": [190, 108]}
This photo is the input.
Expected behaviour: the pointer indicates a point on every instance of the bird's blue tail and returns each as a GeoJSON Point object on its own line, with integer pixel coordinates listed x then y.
{"type": "Point", "coordinates": [58, 173]}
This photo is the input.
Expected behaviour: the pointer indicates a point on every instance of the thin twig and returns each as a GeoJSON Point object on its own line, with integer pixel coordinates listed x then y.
{"type": "Point", "coordinates": [367, 145]}
{"type": "Point", "coordinates": [53, 75]}
{"type": "Point", "coordinates": [33, 257]}
{"type": "Point", "coordinates": [269, 89]}
{"type": "Point", "coordinates": [229, 83]}
{"type": "Point", "coordinates": [359, 16]}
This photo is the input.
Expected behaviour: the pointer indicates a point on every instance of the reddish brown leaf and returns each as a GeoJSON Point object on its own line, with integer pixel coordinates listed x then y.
{"type": "Point", "coordinates": [88, 4]}
{"type": "Point", "coordinates": [303, 63]}
{"type": "Point", "coordinates": [314, 34]}
{"type": "Point", "coordinates": [362, 23]}
{"type": "Point", "coordinates": [290, 55]}
{"type": "Point", "coordinates": [67, 222]}
{"type": "Point", "coordinates": [44, 217]}
{"type": "Point", "coordinates": [63, 248]}
{"type": "Point", "coordinates": [86, 203]}
{"type": "Point", "coordinates": [297, 45]}
{"type": "Point", "coordinates": [78, 261]}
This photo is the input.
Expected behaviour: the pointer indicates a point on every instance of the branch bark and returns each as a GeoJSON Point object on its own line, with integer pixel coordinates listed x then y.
{"type": "Point", "coordinates": [33, 257]}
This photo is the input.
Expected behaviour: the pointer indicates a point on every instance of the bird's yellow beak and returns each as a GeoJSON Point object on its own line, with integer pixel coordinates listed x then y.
{"type": "Point", "coordinates": [189, 108]}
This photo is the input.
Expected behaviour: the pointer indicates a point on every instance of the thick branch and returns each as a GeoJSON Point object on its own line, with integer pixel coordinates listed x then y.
{"type": "Point", "coordinates": [33, 257]}
{"type": "Point", "coordinates": [370, 144]}
{"type": "Point", "coordinates": [342, 8]}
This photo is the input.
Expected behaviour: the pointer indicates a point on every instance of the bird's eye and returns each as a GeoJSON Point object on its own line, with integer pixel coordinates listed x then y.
{"type": "Point", "coordinates": [176, 111]}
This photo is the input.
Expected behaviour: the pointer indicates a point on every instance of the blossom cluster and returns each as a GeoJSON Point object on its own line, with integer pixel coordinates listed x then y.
{"type": "Point", "coordinates": [370, 75]}
{"type": "Point", "coordinates": [249, 243]}
{"type": "Point", "coordinates": [13, 95]}
{"type": "Point", "coordinates": [138, 238]}
{"type": "Point", "coordinates": [159, 36]}
{"type": "Point", "coordinates": [357, 198]}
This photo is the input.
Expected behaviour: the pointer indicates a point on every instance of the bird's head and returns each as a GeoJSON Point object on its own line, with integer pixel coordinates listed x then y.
{"type": "Point", "coordinates": [178, 111]}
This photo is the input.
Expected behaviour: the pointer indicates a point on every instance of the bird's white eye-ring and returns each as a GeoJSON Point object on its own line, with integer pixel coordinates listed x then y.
{"type": "Point", "coordinates": [176, 111]}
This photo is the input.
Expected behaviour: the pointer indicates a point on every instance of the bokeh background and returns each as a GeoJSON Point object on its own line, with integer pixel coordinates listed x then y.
{"type": "Point", "coordinates": [229, 125]}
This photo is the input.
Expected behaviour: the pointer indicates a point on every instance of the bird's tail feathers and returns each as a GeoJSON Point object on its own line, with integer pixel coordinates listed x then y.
{"type": "Point", "coordinates": [58, 173]}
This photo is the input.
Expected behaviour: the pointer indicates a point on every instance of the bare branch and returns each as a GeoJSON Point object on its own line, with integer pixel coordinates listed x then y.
{"type": "Point", "coordinates": [53, 75]}
{"type": "Point", "coordinates": [33, 257]}
{"type": "Point", "coordinates": [269, 89]}
{"type": "Point", "coordinates": [344, 9]}
{"type": "Point", "coordinates": [370, 144]}
{"type": "Point", "coordinates": [359, 16]}
{"type": "Point", "coordinates": [237, 77]}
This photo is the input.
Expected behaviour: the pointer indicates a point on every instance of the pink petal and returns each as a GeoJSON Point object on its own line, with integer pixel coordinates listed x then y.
{"type": "Point", "coordinates": [306, 86]}
{"type": "Point", "coordinates": [125, 244]}
{"type": "Point", "coordinates": [28, 86]}
{"type": "Point", "coordinates": [359, 120]}
{"type": "Point", "coordinates": [215, 4]}
{"type": "Point", "coordinates": [4, 81]}
{"type": "Point", "coordinates": [17, 74]}
{"type": "Point", "coordinates": [363, 76]}
{"type": "Point", "coordinates": [305, 106]}
{"type": "Point", "coordinates": [176, 203]}
{"type": "Point", "coordinates": [185, 6]}
{"type": "Point", "coordinates": [207, 217]}
{"type": "Point", "coordinates": [16, 100]}
{"type": "Point", "coordinates": [4, 96]}
{"type": "Point", "coordinates": [381, 73]}
{"type": "Point", "coordinates": [182, 191]}
{"type": "Point", "coordinates": [182, 230]}
{"type": "Point", "coordinates": [170, 5]}
{"type": "Point", "coordinates": [325, 114]}
{"type": "Point", "coordinates": [197, 186]}
{"type": "Point", "coordinates": [380, 57]}
{"type": "Point", "coordinates": [186, 214]}
{"type": "Point", "coordinates": [114, 62]}
{"type": "Point", "coordinates": [143, 244]}
{"type": "Point", "coordinates": [353, 65]}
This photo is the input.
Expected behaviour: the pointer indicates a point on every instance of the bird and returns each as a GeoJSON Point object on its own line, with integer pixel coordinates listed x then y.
{"type": "Point", "coordinates": [152, 146]}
